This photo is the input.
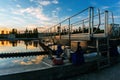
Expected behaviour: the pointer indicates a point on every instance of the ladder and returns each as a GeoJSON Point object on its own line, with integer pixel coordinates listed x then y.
{"type": "Point", "coordinates": [103, 56]}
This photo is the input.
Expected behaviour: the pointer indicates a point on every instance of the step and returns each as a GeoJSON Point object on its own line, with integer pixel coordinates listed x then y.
{"type": "Point", "coordinates": [104, 66]}
{"type": "Point", "coordinates": [102, 63]}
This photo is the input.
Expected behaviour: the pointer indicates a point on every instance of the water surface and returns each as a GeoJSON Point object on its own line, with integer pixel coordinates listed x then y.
{"type": "Point", "coordinates": [19, 46]}
{"type": "Point", "coordinates": [20, 64]}
{"type": "Point", "coordinates": [23, 64]}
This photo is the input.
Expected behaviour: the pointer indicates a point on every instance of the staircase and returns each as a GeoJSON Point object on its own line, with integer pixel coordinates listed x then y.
{"type": "Point", "coordinates": [102, 45]}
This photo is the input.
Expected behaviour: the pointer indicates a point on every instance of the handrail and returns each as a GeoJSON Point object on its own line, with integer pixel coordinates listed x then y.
{"type": "Point", "coordinates": [112, 21]}
{"type": "Point", "coordinates": [99, 21]}
{"type": "Point", "coordinates": [70, 17]}
{"type": "Point", "coordinates": [93, 14]}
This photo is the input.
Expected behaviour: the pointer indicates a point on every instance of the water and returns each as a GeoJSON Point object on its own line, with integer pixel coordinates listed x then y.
{"type": "Point", "coordinates": [20, 64]}
{"type": "Point", "coordinates": [19, 46]}
{"type": "Point", "coordinates": [23, 64]}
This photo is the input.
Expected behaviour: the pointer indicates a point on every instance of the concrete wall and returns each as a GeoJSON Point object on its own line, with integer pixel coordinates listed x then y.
{"type": "Point", "coordinates": [54, 73]}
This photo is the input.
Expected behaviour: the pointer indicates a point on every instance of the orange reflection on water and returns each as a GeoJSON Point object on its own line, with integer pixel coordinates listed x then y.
{"type": "Point", "coordinates": [18, 46]}
{"type": "Point", "coordinates": [5, 43]}
{"type": "Point", "coordinates": [29, 61]}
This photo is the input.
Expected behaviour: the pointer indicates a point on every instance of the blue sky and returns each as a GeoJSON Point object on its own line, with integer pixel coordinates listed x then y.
{"type": "Point", "coordinates": [36, 13]}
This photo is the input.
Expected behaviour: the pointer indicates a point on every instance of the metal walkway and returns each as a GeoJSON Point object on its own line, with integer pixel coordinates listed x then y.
{"type": "Point", "coordinates": [86, 24]}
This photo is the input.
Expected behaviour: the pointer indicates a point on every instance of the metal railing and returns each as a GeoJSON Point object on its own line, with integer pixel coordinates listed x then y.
{"type": "Point", "coordinates": [89, 21]}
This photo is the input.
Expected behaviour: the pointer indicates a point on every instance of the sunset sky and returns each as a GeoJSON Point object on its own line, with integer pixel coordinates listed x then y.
{"type": "Point", "coordinates": [40, 13]}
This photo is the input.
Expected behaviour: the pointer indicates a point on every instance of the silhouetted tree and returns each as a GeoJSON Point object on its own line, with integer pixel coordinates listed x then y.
{"type": "Point", "coordinates": [14, 31]}
{"type": "Point", "coordinates": [35, 32]}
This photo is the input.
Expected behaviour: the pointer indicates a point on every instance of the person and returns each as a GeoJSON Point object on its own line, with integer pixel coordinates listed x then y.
{"type": "Point", "coordinates": [58, 59]}
{"type": "Point", "coordinates": [78, 56]}
{"type": "Point", "coordinates": [59, 51]}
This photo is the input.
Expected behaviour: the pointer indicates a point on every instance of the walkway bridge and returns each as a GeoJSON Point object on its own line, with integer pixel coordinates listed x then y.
{"type": "Point", "coordinates": [89, 24]}
{"type": "Point", "coordinates": [85, 25]}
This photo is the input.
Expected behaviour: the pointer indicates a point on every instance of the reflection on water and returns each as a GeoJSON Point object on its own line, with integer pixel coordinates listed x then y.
{"type": "Point", "coordinates": [10, 65]}
{"type": "Point", "coordinates": [20, 64]}
{"type": "Point", "coordinates": [29, 61]}
{"type": "Point", "coordinates": [17, 65]}
{"type": "Point", "coordinates": [19, 46]}
{"type": "Point", "coordinates": [15, 62]}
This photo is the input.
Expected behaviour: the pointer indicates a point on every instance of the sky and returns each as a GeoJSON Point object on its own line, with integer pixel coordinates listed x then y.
{"type": "Point", "coordinates": [23, 14]}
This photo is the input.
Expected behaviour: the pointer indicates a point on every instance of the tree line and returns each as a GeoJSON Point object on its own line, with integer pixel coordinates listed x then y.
{"type": "Point", "coordinates": [26, 34]}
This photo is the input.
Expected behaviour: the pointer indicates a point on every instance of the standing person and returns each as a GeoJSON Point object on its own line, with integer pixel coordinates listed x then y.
{"type": "Point", "coordinates": [78, 56]}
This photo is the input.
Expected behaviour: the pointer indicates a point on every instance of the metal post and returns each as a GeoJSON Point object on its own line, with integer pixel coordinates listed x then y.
{"type": "Point", "coordinates": [69, 33]}
{"type": "Point", "coordinates": [89, 28]}
{"type": "Point", "coordinates": [119, 31]}
{"type": "Point", "coordinates": [60, 32]}
{"type": "Point", "coordinates": [46, 33]}
{"type": "Point", "coordinates": [108, 54]}
{"type": "Point", "coordinates": [106, 23]}
{"type": "Point", "coordinates": [92, 21]}
{"type": "Point", "coordinates": [112, 24]}
{"type": "Point", "coordinates": [98, 53]}
{"type": "Point", "coordinates": [71, 29]}
{"type": "Point", "coordinates": [51, 33]}
{"type": "Point", "coordinates": [97, 46]}
{"type": "Point", "coordinates": [54, 32]}
{"type": "Point", "coordinates": [83, 27]}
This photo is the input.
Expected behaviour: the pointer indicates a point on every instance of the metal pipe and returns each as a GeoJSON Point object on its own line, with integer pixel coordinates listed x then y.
{"type": "Point", "coordinates": [92, 21]}
{"type": "Point", "coordinates": [89, 14]}
{"type": "Point", "coordinates": [99, 16]}
{"type": "Point", "coordinates": [106, 23]}
{"type": "Point", "coordinates": [60, 31]}
{"type": "Point", "coordinates": [69, 33]}
{"type": "Point", "coordinates": [54, 32]}
{"type": "Point", "coordinates": [112, 23]}
{"type": "Point", "coordinates": [83, 27]}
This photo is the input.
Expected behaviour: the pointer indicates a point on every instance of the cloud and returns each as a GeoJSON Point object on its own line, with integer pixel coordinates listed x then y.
{"type": "Point", "coordinates": [69, 9]}
{"type": "Point", "coordinates": [117, 17]}
{"type": "Point", "coordinates": [44, 2]}
{"type": "Point", "coordinates": [13, 0]}
{"type": "Point", "coordinates": [31, 0]}
{"type": "Point", "coordinates": [55, 12]}
{"type": "Point", "coordinates": [47, 2]}
{"type": "Point", "coordinates": [35, 16]}
{"type": "Point", "coordinates": [58, 8]}
{"type": "Point", "coordinates": [105, 7]}
{"type": "Point", "coordinates": [55, 1]}
{"type": "Point", "coordinates": [19, 19]}
{"type": "Point", "coordinates": [35, 12]}
{"type": "Point", "coordinates": [18, 6]}
{"type": "Point", "coordinates": [118, 4]}
{"type": "Point", "coordinates": [93, 3]}
{"type": "Point", "coordinates": [2, 10]}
